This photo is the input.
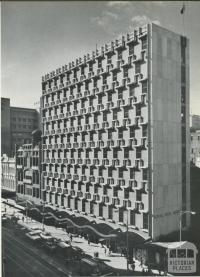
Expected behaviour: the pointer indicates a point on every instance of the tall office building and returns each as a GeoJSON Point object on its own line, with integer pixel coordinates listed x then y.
{"type": "Point", "coordinates": [116, 132]}
{"type": "Point", "coordinates": [17, 124]}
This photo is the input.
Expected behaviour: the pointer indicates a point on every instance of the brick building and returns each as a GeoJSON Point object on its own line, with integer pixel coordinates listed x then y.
{"type": "Point", "coordinates": [17, 126]}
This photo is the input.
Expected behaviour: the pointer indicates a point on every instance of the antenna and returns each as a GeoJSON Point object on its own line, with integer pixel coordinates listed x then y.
{"type": "Point", "coordinates": [182, 11]}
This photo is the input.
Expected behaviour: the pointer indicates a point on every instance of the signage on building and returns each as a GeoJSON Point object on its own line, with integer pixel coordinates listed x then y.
{"type": "Point", "coordinates": [182, 260]}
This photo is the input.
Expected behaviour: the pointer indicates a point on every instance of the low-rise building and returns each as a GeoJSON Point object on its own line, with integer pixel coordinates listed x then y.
{"type": "Point", "coordinates": [8, 174]}
{"type": "Point", "coordinates": [195, 121]}
{"type": "Point", "coordinates": [195, 147]}
{"type": "Point", "coordinates": [17, 124]}
{"type": "Point", "coordinates": [28, 159]}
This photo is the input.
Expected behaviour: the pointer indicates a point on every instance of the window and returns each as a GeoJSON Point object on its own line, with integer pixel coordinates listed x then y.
{"type": "Point", "coordinates": [71, 122]}
{"type": "Point", "coordinates": [79, 121]}
{"type": "Point", "coordinates": [104, 80]}
{"type": "Point", "coordinates": [114, 114]}
{"type": "Point", "coordinates": [138, 153]}
{"type": "Point", "coordinates": [90, 102]}
{"type": "Point", "coordinates": [125, 72]}
{"type": "Point", "coordinates": [132, 132]}
{"type": "Point", "coordinates": [109, 59]}
{"type": "Point", "coordinates": [181, 253]}
{"type": "Point", "coordinates": [131, 50]}
{"type": "Point", "coordinates": [83, 137]}
{"type": "Point", "coordinates": [109, 97]}
{"type": "Point", "coordinates": [144, 87]}
{"type": "Point", "coordinates": [126, 153]}
{"type": "Point", "coordinates": [119, 54]}
{"type": "Point", "coordinates": [137, 68]}
{"type": "Point", "coordinates": [100, 135]}
{"type": "Point", "coordinates": [145, 221]}
{"type": "Point", "coordinates": [132, 173]}
{"type": "Point", "coordinates": [95, 83]}
{"type": "Point", "coordinates": [172, 253]}
{"type": "Point", "coordinates": [91, 136]}
{"type": "Point", "coordinates": [82, 104]}
{"type": "Point", "coordinates": [90, 67]}
{"type": "Point", "coordinates": [82, 70]}
{"type": "Point", "coordinates": [96, 153]}
{"type": "Point", "coordinates": [104, 116]}
{"type": "Point", "coordinates": [87, 153]}
{"type": "Point", "coordinates": [105, 153]}
{"type": "Point", "coordinates": [121, 173]}
{"type": "Point", "coordinates": [79, 153]}
{"type": "Point", "coordinates": [99, 63]}
{"type": "Point", "coordinates": [100, 99]}
{"type": "Point", "coordinates": [109, 134]}
{"type": "Point", "coordinates": [100, 171]}
{"type": "Point", "coordinates": [120, 134]}
{"type": "Point", "coordinates": [131, 92]}
{"type": "Point", "coordinates": [144, 43]}
{"type": "Point", "coordinates": [190, 253]}
{"type": "Point", "coordinates": [109, 172]}
{"type": "Point", "coordinates": [86, 119]}
{"type": "Point", "coordinates": [75, 106]}
{"type": "Point", "coordinates": [138, 195]}
{"type": "Point", "coordinates": [115, 154]}
{"type": "Point", "coordinates": [75, 137]}
{"type": "Point", "coordinates": [138, 110]}
{"type": "Point", "coordinates": [126, 112]}
{"type": "Point", "coordinates": [120, 94]}
{"type": "Point", "coordinates": [95, 118]}
{"type": "Point", "coordinates": [114, 76]}
{"type": "Point", "coordinates": [91, 170]}
{"type": "Point", "coordinates": [86, 86]}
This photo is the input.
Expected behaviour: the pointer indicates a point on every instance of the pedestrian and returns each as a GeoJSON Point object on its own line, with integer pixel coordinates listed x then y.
{"type": "Point", "coordinates": [141, 262]}
{"type": "Point", "coordinates": [23, 218]}
{"type": "Point", "coordinates": [71, 237]}
{"type": "Point", "coordinates": [133, 266]}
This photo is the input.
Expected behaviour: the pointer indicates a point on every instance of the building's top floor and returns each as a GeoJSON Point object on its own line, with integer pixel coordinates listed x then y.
{"type": "Point", "coordinates": [28, 148]}
{"type": "Point", "coordinates": [118, 44]}
{"type": "Point", "coordinates": [6, 159]}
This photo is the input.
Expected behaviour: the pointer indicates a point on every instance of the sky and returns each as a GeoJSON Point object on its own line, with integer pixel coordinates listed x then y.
{"type": "Point", "coordinates": [38, 37]}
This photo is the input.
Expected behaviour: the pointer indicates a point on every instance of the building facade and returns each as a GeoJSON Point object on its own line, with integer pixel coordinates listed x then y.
{"type": "Point", "coordinates": [116, 132]}
{"type": "Point", "coordinates": [8, 174]}
{"type": "Point", "coordinates": [195, 147]}
{"type": "Point", "coordinates": [17, 126]}
{"type": "Point", "coordinates": [28, 160]}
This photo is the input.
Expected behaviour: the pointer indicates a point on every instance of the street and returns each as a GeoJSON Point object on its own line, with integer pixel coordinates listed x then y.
{"type": "Point", "coordinates": [20, 260]}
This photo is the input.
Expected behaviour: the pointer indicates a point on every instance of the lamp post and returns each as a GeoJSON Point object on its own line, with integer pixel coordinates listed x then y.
{"type": "Point", "coordinates": [180, 221]}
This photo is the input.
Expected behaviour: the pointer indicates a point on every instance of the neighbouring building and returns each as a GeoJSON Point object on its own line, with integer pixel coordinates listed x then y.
{"type": "Point", "coordinates": [115, 127]}
{"type": "Point", "coordinates": [8, 174]}
{"type": "Point", "coordinates": [17, 124]}
{"type": "Point", "coordinates": [195, 147]}
{"type": "Point", "coordinates": [5, 127]}
{"type": "Point", "coordinates": [195, 121]}
{"type": "Point", "coordinates": [28, 163]}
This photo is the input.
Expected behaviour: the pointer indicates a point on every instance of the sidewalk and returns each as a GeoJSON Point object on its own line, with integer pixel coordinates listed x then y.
{"type": "Point", "coordinates": [114, 260]}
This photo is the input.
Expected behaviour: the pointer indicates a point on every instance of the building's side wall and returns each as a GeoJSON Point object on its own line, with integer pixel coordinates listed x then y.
{"type": "Point", "coordinates": [166, 135]}
{"type": "Point", "coordinates": [5, 127]}
{"type": "Point", "coordinates": [23, 123]}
